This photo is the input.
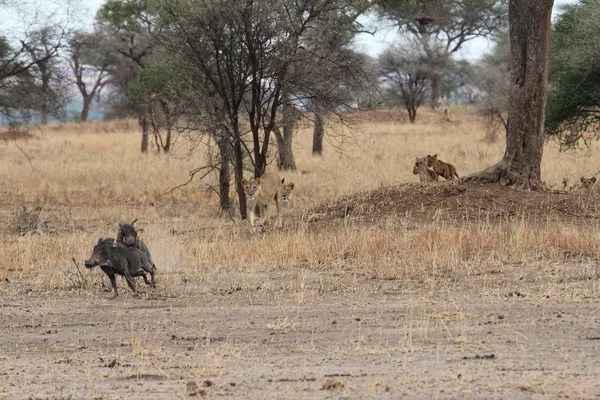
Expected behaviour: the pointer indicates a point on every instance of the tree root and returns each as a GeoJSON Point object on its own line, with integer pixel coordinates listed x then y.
{"type": "Point", "coordinates": [500, 174]}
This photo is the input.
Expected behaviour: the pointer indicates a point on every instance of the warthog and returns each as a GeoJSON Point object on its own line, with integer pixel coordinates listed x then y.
{"type": "Point", "coordinates": [125, 261]}
{"type": "Point", "coordinates": [128, 237]}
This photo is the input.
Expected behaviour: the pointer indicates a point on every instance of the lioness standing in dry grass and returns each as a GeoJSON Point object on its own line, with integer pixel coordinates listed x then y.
{"type": "Point", "coordinates": [287, 195]}
{"type": "Point", "coordinates": [421, 169]}
{"type": "Point", "coordinates": [261, 191]}
{"type": "Point", "coordinates": [446, 170]}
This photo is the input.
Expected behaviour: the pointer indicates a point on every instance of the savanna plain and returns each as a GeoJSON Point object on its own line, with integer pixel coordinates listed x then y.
{"type": "Point", "coordinates": [376, 286]}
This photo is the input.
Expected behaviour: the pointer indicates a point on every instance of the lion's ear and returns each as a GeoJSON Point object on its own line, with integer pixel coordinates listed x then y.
{"type": "Point", "coordinates": [417, 159]}
{"type": "Point", "coordinates": [257, 181]}
{"type": "Point", "coordinates": [244, 181]}
{"type": "Point", "coordinates": [435, 157]}
{"type": "Point", "coordinates": [282, 180]}
{"type": "Point", "coordinates": [291, 185]}
{"type": "Point", "coordinates": [594, 179]}
{"type": "Point", "coordinates": [582, 179]}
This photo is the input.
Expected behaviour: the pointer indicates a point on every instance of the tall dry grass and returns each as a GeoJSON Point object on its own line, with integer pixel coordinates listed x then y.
{"type": "Point", "coordinates": [84, 179]}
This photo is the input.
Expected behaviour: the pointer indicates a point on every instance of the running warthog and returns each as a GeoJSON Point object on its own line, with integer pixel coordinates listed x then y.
{"type": "Point", "coordinates": [125, 261]}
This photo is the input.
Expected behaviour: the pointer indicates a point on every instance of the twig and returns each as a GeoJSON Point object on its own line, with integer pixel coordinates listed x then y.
{"type": "Point", "coordinates": [28, 158]}
{"type": "Point", "coordinates": [192, 174]}
{"type": "Point", "coordinates": [78, 270]}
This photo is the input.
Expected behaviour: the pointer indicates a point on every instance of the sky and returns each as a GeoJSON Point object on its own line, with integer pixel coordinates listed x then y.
{"type": "Point", "coordinates": [386, 35]}
{"type": "Point", "coordinates": [372, 44]}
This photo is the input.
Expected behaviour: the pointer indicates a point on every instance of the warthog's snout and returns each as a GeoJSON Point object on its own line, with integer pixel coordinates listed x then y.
{"type": "Point", "coordinates": [91, 263]}
{"type": "Point", "coordinates": [129, 240]}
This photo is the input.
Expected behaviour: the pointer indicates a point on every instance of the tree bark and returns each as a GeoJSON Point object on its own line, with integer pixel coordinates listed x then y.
{"type": "Point", "coordinates": [529, 43]}
{"type": "Point", "coordinates": [85, 111]}
{"type": "Point", "coordinates": [44, 112]}
{"type": "Point", "coordinates": [318, 134]}
{"type": "Point", "coordinates": [224, 174]}
{"type": "Point", "coordinates": [435, 89]}
{"type": "Point", "coordinates": [239, 175]}
{"type": "Point", "coordinates": [284, 141]}
{"type": "Point", "coordinates": [238, 166]}
{"type": "Point", "coordinates": [143, 122]}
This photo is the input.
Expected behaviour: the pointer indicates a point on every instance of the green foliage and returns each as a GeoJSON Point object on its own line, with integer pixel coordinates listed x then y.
{"type": "Point", "coordinates": [573, 109]}
{"type": "Point", "coordinates": [124, 15]}
{"type": "Point", "coordinates": [152, 81]}
{"type": "Point", "coordinates": [5, 48]}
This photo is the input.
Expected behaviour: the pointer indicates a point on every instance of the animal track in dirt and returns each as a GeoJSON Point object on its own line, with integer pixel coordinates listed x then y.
{"type": "Point", "coordinates": [482, 357]}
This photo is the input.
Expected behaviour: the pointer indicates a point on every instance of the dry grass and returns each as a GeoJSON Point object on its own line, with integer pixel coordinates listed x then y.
{"type": "Point", "coordinates": [79, 181]}
{"type": "Point", "coordinates": [384, 308]}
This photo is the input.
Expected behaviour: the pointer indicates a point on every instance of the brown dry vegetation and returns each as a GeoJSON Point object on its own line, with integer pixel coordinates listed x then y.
{"type": "Point", "coordinates": [376, 287]}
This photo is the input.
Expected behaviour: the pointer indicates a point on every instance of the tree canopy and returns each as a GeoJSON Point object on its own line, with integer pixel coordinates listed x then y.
{"type": "Point", "coordinates": [573, 110]}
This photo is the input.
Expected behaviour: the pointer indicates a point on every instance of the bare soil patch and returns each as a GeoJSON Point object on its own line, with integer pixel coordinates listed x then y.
{"type": "Point", "coordinates": [289, 337]}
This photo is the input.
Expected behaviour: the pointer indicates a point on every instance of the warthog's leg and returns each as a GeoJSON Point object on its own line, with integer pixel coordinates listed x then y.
{"type": "Point", "coordinates": [130, 281]}
{"type": "Point", "coordinates": [111, 275]}
{"type": "Point", "coordinates": [148, 267]}
{"type": "Point", "coordinates": [113, 282]}
{"type": "Point", "coordinates": [143, 275]}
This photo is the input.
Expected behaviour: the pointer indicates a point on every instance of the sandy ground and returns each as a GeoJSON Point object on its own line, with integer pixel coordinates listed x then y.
{"type": "Point", "coordinates": [515, 333]}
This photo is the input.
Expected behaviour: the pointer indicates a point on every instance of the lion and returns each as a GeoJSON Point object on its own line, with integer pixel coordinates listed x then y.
{"type": "Point", "coordinates": [443, 169]}
{"type": "Point", "coordinates": [421, 169]}
{"type": "Point", "coordinates": [287, 195]}
{"type": "Point", "coordinates": [590, 185]}
{"type": "Point", "coordinates": [261, 191]}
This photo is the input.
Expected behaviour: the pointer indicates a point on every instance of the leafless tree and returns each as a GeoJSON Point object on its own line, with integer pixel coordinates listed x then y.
{"type": "Point", "coordinates": [91, 57]}
{"type": "Point", "coordinates": [443, 26]}
{"type": "Point", "coordinates": [405, 73]}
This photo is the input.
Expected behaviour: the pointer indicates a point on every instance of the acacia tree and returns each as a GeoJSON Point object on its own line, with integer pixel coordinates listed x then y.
{"type": "Point", "coordinates": [247, 56]}
{"type": "Point", "coordinates": [130, 21]}
{"type": "Point", "coordinates": [344, 79]}
{"type": "Point", "coordinates": [492, 77]}
{"type": "Point", "coordinates": [405, 72]}
{"type": "Point", "coordinates": [29, 74]}
{"type": "Point", "coordinates": [91, 57]}
{"type": "Point", "coordinates": [529, 52]}
{"type": "Point", "coordinates": [49, 90]}
{"type": "Point", "coordinates": [443, 26]}
{"type": "Point", "coordinates": [573, 111]}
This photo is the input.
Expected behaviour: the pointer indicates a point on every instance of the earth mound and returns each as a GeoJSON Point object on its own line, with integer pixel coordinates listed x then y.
{"type": "Point", "coordinates": [458, 203]}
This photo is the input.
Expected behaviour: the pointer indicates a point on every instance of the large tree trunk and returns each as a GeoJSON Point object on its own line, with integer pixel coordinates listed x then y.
{"type": "Point", "coordinates": [529, 44]}
{"type": "Point", "coordinates": [238, 168]}
{"type": "Point", "coordinates": [224, 174]}
{"type": "Point", "coordinates": [435, 89]}
{"type": "Point", "coordinates": [143, 121]}
{"type": "Point", "coordinates": [44, 112]}
{"type": "Point", "coordinates": [284, 141]}
{"type": "Point", "coordinates": [318, 134]}
{"type": "Point", "coordinates": [85, 111]}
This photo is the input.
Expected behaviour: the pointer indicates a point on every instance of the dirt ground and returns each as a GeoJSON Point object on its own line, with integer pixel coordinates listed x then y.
{"type": "Point", "coordinates": [520, 331]}
{"type": "Point", "coordinates": [371, 339]}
